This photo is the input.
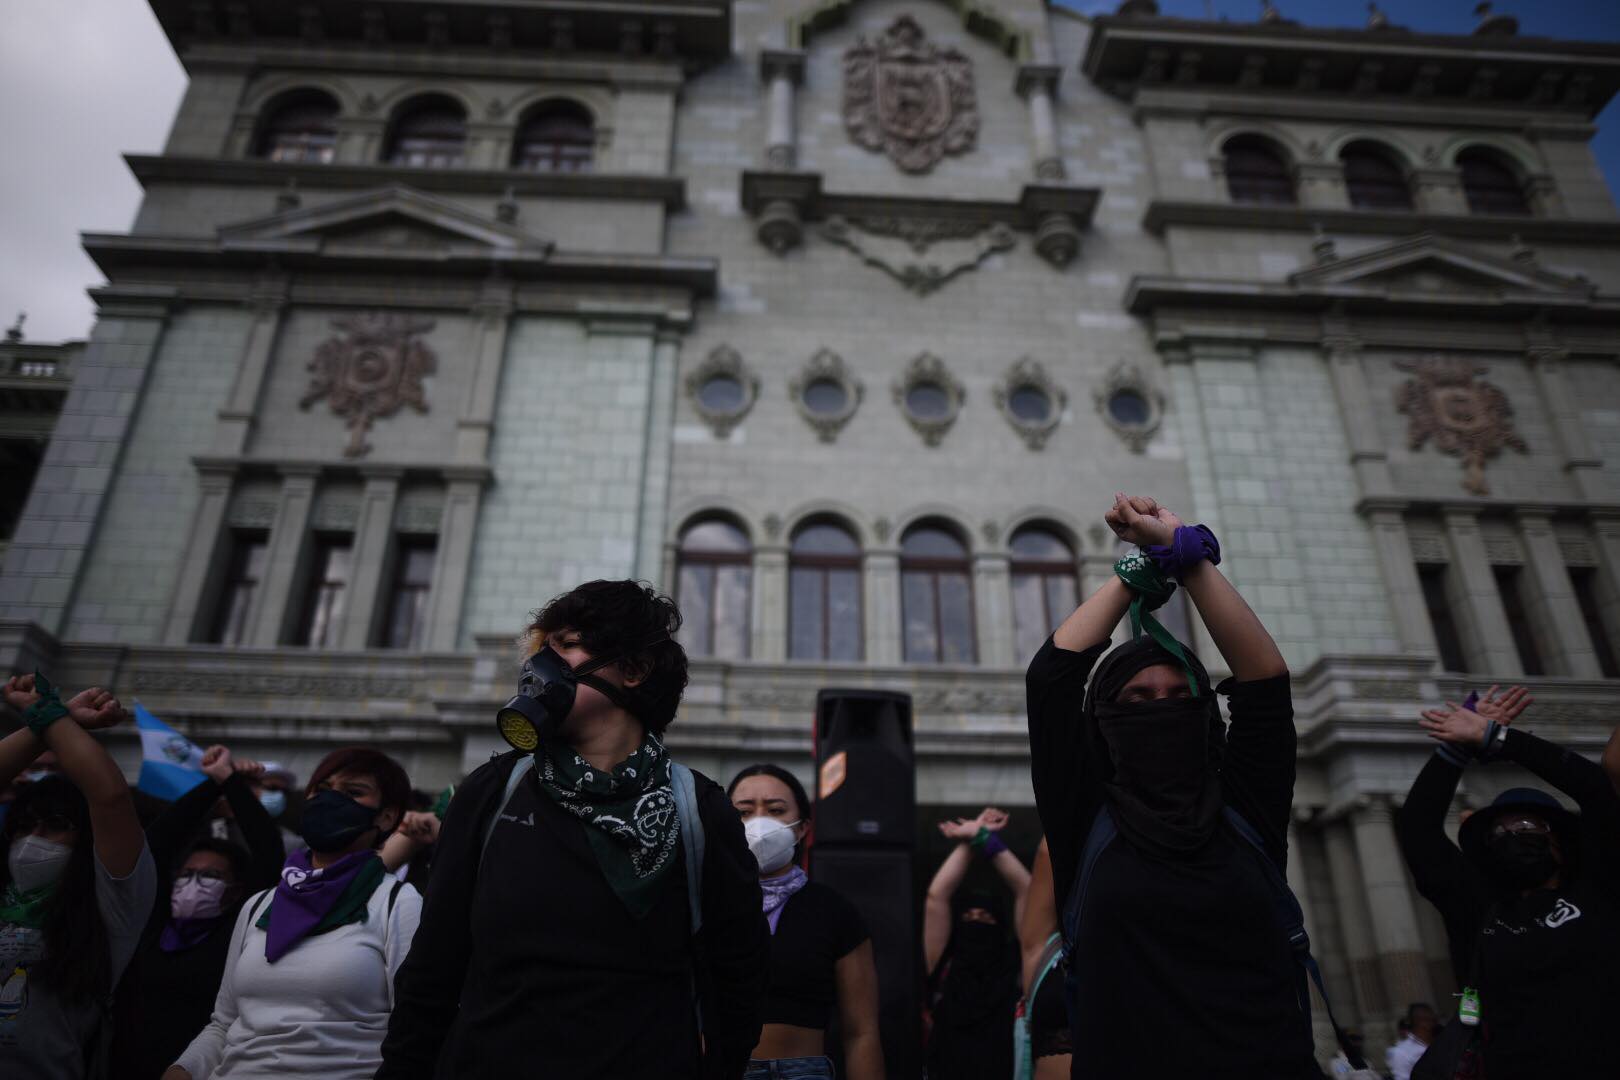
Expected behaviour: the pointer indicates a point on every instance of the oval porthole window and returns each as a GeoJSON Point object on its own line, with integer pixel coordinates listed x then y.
{"type": "Point", "coordinates": [721, 393]}
{"type": "Point", "coordinates": [1129, 407]}
{"type": "Point", "coordinates": [826, 397]}
{"type": "Point", "coordinates": [1030, 404]}
{"type": "Point", "coordinates": [928, 401]}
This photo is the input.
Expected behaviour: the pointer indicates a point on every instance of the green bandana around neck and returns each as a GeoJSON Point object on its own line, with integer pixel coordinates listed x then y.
{"type": "Point", "coordinates": [629, 815]}
{"type": "Point", "coordinates": [1150, 589]}
{"type": "Point", "coordinates": [25, 908]}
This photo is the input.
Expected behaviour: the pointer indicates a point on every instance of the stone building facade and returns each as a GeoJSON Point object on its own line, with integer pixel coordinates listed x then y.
{"type": "Point", "coordinates": [843, 321]}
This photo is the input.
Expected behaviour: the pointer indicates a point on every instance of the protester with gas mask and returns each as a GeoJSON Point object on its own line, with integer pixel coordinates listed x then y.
{"type": "Point", "coordinates": [821, 953]}
{"type": "Point", "coordinates": [971, 955]}
{"type": "Point", "coordinates": [310, 967]}
{"type": "Point", "coordinates": [1530, 893]}
{"type": "Point", "coordinates": [75, 889]}
{"type": "Point", "coordinates": [594, 910]}
{"type": "Point", "coordinates": [181, 958]}
{"type": "Point", "coordinates": [1178, 963]}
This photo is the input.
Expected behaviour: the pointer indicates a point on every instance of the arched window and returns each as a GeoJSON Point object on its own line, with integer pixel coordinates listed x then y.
{"type": "Point", "coordinates": [712, 589]}
{"type": "Point", "coordinates": [1256, 171]}
{"type": "Point", "coordinates": [824, 594]}
{"type": "Point", "coordinates": [1044, 589]}
{"type": "Point", "coordinates": [559, 136]}
{"type": "Point", "coordinates": [430, 132]}
{"type": "Point", "coordinates": [936, 596]}
{"type": "Point", "coordinates": [1491, 185]}
{"type": "Point", "coordinates": [301, 126]}
{"type": "Point", "coordinates": [1373, 179]}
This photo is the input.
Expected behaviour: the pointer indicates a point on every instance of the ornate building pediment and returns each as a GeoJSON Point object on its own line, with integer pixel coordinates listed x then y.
{"type": "Point", "coordinates": [385, 217]}
{"type": "Point", "coordinates": [1427, 263]}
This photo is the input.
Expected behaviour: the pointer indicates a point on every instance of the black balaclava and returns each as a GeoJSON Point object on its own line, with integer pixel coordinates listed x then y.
{"type": "Point", "coordinates": [972, 1014]}
{"type": "Point", "coordinates": [1160, 760]}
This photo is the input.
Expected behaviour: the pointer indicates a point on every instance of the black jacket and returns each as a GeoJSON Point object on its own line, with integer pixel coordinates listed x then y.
{"type": "Point", "coordinates": [529, 964]}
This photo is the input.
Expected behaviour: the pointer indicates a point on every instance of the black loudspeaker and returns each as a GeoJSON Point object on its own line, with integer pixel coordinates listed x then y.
{"type": "Point", "coordinates": [878, 882]}
{"type": "Point", "coordinates": [866, 786]}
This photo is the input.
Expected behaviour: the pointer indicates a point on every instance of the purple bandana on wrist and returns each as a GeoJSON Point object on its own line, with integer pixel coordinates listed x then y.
{"type": "Point", "coordinates": [1191, 545]}
{"type": "Point", "coordinates": [778, 891]}
{"type": "Point", "coordinates": [993, 845]}
{"type": "Point", "coordinates": [305, 895]}
{"type": "Point", "coordinates": [181, 934]}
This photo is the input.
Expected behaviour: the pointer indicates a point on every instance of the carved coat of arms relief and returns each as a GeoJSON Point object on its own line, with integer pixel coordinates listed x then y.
{"type": "Point", "coordinates": [369, 370]}
{"type": "Point", "coordinates": [1466, 416]}
{"type": "Point", "coordinates": [909, 98]}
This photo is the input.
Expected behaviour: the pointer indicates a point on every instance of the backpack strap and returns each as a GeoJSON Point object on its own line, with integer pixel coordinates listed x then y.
{"type": "Point", "coordinates": [692, 839]}
{"type": "Point", "coordinates": [258, 905]}
{"type": "Point", "coordinates": [1103, 831]}
{"type": "Point", "coordinates": [520, 769]}
{"type": "Point", "coordinates": [1291, 917]}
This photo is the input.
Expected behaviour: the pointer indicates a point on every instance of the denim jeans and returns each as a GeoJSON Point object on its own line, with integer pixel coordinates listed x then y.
{"type": "Point", "coordinates": [801, 1068]}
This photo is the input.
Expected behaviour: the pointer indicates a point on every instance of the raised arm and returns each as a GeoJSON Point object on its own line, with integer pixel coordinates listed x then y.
{"type": "Point", "coordinates": [267, 853]}
{"type": "Point", "coordinates": [947, 879]}
{"type": "Point", "coordinates": [1094, 620]}
{"type": "Point", "coordinates": [116, 830]}
{"type": "Point", "coordinates": [1040, 918]}
{"type": "Point", "coordinates": [1013, 872]}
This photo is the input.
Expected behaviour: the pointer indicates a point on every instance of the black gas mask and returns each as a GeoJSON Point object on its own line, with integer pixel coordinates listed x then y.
{"type": "Point", "coordinates": [546, 695]}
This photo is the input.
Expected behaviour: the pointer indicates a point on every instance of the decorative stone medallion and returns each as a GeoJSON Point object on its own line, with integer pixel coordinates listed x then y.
{"type": "Point", "coordinates": [826, 393]}
{"type": "Point", "coordinates": [929, 397]}
{"type": "Point", "coordinates": [1031, 402]}
{"type": "Point", "coordinates": [909, 98]}
{"type": "Point", "coordinates": [722, 390]}
{"type": "Point", "coordinates": [900, 247]}
{"type": "Point", "coordinates": [1464, 415]}
{"type": "Point", "coordinates": [369, 370]}
{"type": "Point", "coordinates": [1130, 404]}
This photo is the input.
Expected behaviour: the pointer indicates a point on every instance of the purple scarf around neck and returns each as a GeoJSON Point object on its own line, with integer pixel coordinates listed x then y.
{"type": "Point", "coordinates": [778, 891]}
{"type": "Point", "coordinates": [181, 934]}
{"type": "Point", "coordinates": [303, 897]}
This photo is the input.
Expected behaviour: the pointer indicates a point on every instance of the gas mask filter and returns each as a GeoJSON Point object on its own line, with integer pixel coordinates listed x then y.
{"type": "Point", "coordinates": [545, 696]}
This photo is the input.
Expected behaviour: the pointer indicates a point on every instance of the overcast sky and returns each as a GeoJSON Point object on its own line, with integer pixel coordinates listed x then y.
{"type": "Point", "coordinates": [83, 82]}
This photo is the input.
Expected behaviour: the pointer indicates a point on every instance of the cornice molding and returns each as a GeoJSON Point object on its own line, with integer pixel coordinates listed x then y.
{"type": "Point", "coordinates": [804, 189]}
{"type": "Point", "coordinates": [669, 191]}
{"type": "Point", "coordinates": [1165, 213]}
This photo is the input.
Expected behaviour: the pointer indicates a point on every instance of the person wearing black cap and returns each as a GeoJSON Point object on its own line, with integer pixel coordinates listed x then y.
{"type": "Point", "coordinates": [1178, 964]}
{"type": "Point", "coordinates": [1530, 899]}
{"type": "Point", "coordinates": [593, 913]}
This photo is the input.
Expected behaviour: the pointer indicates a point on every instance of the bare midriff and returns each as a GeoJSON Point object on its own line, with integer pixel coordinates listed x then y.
{"type": "Point", "coordinates": [789, 1041]}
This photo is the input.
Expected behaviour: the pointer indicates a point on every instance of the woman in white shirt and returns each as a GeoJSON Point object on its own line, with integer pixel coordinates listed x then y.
{"type": "Point", "coordinates": [309, 984]}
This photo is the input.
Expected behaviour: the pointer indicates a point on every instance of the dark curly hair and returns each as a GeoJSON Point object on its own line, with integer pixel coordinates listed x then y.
{"type": "Point", "coordinates": [623, 618]}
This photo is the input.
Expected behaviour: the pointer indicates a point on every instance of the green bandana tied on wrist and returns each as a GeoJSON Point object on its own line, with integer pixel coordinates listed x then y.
{"type": "Point", "coordinates": [47, 710]}
{"type": "Point", "coordinates": [1150, 589]}
{"type": "Point", "coordinates": [629, 815]}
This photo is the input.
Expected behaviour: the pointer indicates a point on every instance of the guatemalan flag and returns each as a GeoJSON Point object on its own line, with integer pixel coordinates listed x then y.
{"type": "Point", "coordinates": [171, 764]}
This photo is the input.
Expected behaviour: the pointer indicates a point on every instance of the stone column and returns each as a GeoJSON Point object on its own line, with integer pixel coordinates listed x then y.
{"type": "Point", "coordinates": [1321, 184]}
{"type": "Point", "coordinates": [200, 566]}
{"type": "Point", "coordinates": [1553, 609]}
{"type": "Point", "coordinates": [1438, 191]}
{"type": "Point", "coordinates": [489, 146]}
{"type": "Point", "coordinates": [1401, 962]}
{"type": "Point", "coordinates": [1037, 84]}
{"type": "Point", "coordinates": [1355, 923]}
{"type": "Point", "coordinates": [1541, 191]}
{"type": "Point", "coordinates": [1606, 536]}
{"type": "Point", "coordinates": [992, 606]}
{"type": "Point", "coordinates": [1487, 641]}
{"type": "Point", "coordinates": [881, 582]}
{"type": "Point", "coordinates": [1581, 459]}
{"type": "Point", "coordinates": [768, 612]}
{"type": "Point", "coordinates": [1368, 455]}
{"type": "Point", "coordinates": [233, 428]}
{"type": "Point", "coordinates": [454, 558]}
{"type": "Point", "coordinates": [373, 540]}
{"type": "Point", "coordinates": [783, 71]}
{"type": "Point", "coordinates": [352, 141]}
{"type": "Point", "coordinates": [59, 520]}
{"type": "Point", "coordinates": [477, 420]}
{"type": "Point", "coordinates": [1405, 590]}
{"type": "Point", "coordinates": [279, 592]}
{"type": "Point", "coordinates": [653, 508]}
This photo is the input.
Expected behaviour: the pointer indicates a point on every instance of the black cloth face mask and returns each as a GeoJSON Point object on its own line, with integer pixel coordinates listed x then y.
{"type": "Point", "coordinates": [332, 821]}
{"type": "Point", "coordinates": [545, 697]}
{"type": "Point", "coordinates": [1520, 860]}
{"type": "Point", "coordinates": [1165, 791]}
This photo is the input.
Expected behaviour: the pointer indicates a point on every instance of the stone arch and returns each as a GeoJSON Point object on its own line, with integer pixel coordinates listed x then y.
{"type": "Point", "coordinates": [1285, 141]}
{"type": "Point", "coordinates": [1516, 153]}
{"type": "Point", "coordinates": [949, 516]}
{"type": "Point", "coordinates": [592, 99]}
{"type": "Point", "coordinates": [830, 510]}
{"type": "Point", "coordinates": [980, 17]}
{"type": "Point", "coordinates": [713, 506]}
{"type": "Point", "coordinates": [266, 92]}
{"type": "Point", "coordinates": [1059, 521]}
{"type": "Point", "coordinates": [390, 105]}
{"type": "Point", "coordinates": [1399, 150]}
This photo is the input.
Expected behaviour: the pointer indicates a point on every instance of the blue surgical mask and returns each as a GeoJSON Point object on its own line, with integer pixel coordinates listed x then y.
{"type": "Point", "coordinates": [273, 801]}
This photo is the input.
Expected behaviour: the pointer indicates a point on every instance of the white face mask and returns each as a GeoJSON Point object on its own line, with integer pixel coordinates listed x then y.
{"type": "Point", "coordinates": [771, 841]}
{"type": "Point", "coordinates": [36, 862]}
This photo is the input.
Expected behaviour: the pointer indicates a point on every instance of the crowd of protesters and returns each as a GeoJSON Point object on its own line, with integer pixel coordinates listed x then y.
{"type": "Point", "coordinates": [587, 906]}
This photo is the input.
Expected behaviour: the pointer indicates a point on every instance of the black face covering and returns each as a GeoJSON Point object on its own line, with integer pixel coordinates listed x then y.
{"type": "Point", "coordinates": [1520, 860]}
{"type": "Point", "coordinates": [332, 821]}
{"type": "Point", "coordinates": [1163, 757]}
